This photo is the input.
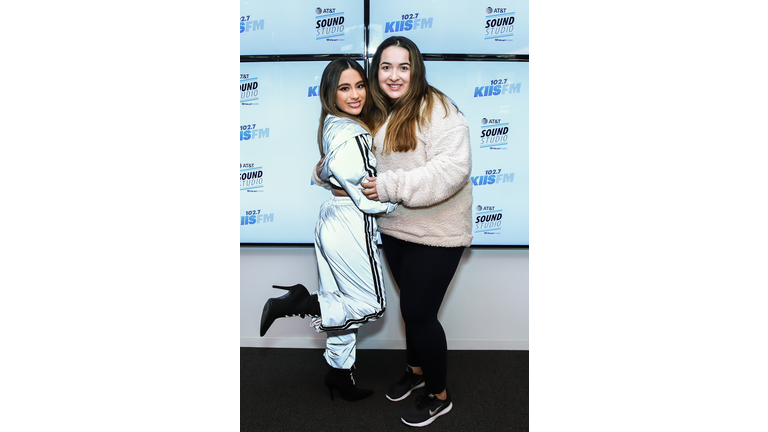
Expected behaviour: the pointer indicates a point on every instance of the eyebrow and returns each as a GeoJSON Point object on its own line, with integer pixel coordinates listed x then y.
{"type": "Point", "coordinates": [388, 63]}
{"type": "Point", "coordinates": [345, 84]}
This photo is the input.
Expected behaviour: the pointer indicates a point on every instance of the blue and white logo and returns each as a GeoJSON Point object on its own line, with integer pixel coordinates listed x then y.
{"type": "Point", "coordinates": [249, 90]}
{"type": "Point", "coordinates": [494, 133]}
{"type": "Point", "coordinates": [493, 177]}
{"type": "Point", "coordinates": [488, 219]}
{"type": "Point", "coordinates": [253, 217]}
{"type": "Point", "coordinates": [499, 24]}
{"type": "Point", "coordinates": [248, 25]}
{"type": "Point", "coordinates": [329, 24]}
{"type": "Point", "coordinates": [251, 132]}
{"type": "Point", "coordinates": [498, 87]}
{"type": "Point", "coordinates": [251, 178]}
{"type": "Point", "coordinates": [408, 22]}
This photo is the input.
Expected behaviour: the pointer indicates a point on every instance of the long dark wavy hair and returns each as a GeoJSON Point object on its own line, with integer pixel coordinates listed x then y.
{"type": "Point", "coordinates": [411, 109]}
{"type": "Point", "coordinates": [328, 84]}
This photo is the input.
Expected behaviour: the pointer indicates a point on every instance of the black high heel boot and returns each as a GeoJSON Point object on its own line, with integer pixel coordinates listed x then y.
{"type": "Point", "coordinates": [295, 302]}
{"type": "Point", "coordinates": [342, 380]}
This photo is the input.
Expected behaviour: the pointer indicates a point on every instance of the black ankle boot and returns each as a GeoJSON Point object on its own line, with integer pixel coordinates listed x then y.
{"type": "Point", "coordinates": [343, 380]}
{"type": "Point", "coordinates": [291, 304]}
{"type": "Point", "coordinates": [313, 306]}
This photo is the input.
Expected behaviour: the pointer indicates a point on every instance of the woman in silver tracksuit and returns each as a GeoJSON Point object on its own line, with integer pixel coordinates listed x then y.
{"type": "Point", "coordinates": [351, 284]}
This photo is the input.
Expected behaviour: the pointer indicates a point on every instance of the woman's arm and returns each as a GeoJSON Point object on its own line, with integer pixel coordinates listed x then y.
{"type": "Point", "coordinates": [348, 164]}
{"type": "Point", "coordinates": [448, 167]}
{"type": "Point", "coordinates": [316, 175]}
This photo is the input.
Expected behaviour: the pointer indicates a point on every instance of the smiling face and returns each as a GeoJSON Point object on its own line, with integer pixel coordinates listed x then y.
{"type": "Point", "coordinates": [394, 71]}
{"type": "Point", "coordinates": [350, 93]}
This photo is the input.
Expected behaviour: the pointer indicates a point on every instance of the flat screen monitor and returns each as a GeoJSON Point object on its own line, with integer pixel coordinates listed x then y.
{"type": "Point", "coordinates": [301, 27]}
{"type": "Point", "coordinates": [453, 27]}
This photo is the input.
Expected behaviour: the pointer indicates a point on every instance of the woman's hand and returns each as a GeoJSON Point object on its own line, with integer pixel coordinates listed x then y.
{"type": "Point", "coordinates": [370, 189]}
{"type": "Point", "coordinates": [318, 168]}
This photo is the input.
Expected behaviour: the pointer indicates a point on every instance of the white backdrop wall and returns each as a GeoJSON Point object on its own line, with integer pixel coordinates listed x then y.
{"type": "Point", "coordinates": [485, 308]}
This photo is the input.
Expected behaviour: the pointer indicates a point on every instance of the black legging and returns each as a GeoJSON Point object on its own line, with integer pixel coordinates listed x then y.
{"type": "Point", "coordinates": [423, 274]}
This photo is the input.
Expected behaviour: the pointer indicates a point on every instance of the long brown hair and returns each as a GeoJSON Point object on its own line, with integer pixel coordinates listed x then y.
{"type": "Point", "coordinates": [411, 109]}
{"type": "Point", "coordinates": [328, 84]}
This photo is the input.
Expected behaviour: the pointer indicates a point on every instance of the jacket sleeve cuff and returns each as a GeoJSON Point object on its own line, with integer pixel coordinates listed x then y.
{"type": "Point", "coordinates": [318, 181]}
{"type": "Point", "coordinates": [381, 189]}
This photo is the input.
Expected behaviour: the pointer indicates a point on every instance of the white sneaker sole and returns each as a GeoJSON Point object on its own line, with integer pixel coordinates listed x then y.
{"type": "Point", "coordinates": [431, 419]}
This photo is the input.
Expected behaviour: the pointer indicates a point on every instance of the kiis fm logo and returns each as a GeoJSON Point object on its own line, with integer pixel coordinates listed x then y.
{"type": "Point", "coordinates": [493, 177]}
{"type": "Point", "coordinates": [249, 90]}
{"type": "Point", "coordinates": [251, 178]}
{"type": "Point", "coordinates": [488, 219]}
{"type": "Point", "coordinates": [256, 217]}
{"type": "Point", "coordinates": [250, 131]}
{"type": "Point", "coordinates": [493, 133]}
{"type": "Point", "coordinates": [498, 87]}
{"type": "Point", "coordinates": [407, 23]}
{"type": "Point", "coordinates": [247, 24]}
{"type": "Point", "coordinates": [499, 23]}
{"type": "Point", "coordinates": [330, 24]}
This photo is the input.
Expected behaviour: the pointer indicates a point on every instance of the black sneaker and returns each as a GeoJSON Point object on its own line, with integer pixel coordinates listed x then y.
{"type": "Point", "coordinates": [427, 409]}
{"type": "Point", "coordinates": [401, 389]}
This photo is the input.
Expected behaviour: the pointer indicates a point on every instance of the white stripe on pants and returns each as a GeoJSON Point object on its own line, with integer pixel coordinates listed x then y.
{"type": "Point", "coordinates": [351, 288]}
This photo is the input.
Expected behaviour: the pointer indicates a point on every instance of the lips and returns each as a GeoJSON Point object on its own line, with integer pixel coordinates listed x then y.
{"type": "Point", "coordinates": [354, 104]}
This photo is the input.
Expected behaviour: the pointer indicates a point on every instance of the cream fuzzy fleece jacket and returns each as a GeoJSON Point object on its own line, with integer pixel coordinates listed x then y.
{"type": "Point", "coordinates": [432, 183]}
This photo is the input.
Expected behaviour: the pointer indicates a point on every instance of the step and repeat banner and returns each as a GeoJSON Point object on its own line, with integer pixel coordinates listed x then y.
{"type": "Point", "coordinates": [279, 106]}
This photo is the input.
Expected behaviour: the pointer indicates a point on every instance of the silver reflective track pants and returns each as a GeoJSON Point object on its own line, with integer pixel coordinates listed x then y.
{"type": "Point", "coordinates": [351, 285]}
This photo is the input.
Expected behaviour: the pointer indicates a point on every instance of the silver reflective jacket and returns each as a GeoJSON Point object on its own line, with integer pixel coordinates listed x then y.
{"type": "Point", "coordinates": [348, 160]}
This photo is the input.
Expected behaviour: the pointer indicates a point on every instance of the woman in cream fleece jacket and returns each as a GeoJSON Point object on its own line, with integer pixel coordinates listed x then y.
{"type": "Point", "coordinates": [421, 143]}
{"type": "Point", "coordinates": [431, 182]}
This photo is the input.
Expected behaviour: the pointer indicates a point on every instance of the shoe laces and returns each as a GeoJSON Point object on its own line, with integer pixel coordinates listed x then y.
{"type": "Point", "coordinates": [428, 399]}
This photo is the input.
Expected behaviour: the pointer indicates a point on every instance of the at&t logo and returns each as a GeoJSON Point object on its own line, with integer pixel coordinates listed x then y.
{"type": "Point", "coordinates": [488, 219]}
{"type": "Point", "coordinates": [493, 133]}
{"type": "Point", "coordinates": [329, 23]}
{"type": "Point", "coordinates": [499, 23]}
